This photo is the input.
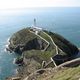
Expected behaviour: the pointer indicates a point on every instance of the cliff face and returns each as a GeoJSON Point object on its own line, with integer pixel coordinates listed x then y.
{"type": "Point", "coordinates": [36, 47]}
{"type": "Point", "coordinates": [65, 45]}
{"type": "Point", "coordinates": [24, 40]}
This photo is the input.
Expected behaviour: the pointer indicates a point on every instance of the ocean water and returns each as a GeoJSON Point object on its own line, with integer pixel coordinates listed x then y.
{"type": "Point", "coordinates": [65, 21]}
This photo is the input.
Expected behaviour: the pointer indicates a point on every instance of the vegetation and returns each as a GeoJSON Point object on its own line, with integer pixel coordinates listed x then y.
{"type": "Point", "coordinates": [46, 37]}
{"type": "Point", "coordinates": [31, 48]}
{"type": "Point", "coordinates": [39, 55]}
{"type": "Point", "coordinates": [24, 36]}
{"type": "Point", "coordinates": [19, 60]}
{"type": "Point", "coordinates": [63, 74]}
{"type": "Point", "coordinates": [21, 38]}
{"type": "Point", "coordinates": [63, 44]}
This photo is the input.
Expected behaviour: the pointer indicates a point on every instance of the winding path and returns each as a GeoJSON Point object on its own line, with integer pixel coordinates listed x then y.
{"type": "Point", "coordinates": [71, 63]}
{"type": "Point", "coordinates": [53, 43]}
{"type": "Point", "coordinates": [42, 39]}
{"type": "Point", "coordinates": [48, 44]}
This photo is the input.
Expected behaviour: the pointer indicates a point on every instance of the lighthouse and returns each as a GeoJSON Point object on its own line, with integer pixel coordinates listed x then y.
{"type": "Point", "coordinates": [35, 28]}
{"type": "Point", "coordinates": [34, 22]}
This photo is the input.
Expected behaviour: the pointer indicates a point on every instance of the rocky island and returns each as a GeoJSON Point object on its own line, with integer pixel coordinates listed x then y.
{"type": "Point", "coordinates": [40, 50]}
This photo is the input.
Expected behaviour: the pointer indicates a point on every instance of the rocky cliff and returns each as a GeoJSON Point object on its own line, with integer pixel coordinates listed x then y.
{"type": "Point", "coordinates": [37, 47]}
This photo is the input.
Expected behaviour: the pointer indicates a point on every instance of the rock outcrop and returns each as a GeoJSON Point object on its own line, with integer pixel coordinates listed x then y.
{"type": "Point", "coordinates": [31, 47]}
{"type": "Point", "coordinates": [24, 40]}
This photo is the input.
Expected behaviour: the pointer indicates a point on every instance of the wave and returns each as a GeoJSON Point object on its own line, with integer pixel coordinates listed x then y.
{"type": "Point", "coordinates": [14, 60]}
{"type": "Point", "coordinates": [8, 40]}
{"type": "Point", "coordinates": [16, 71]}
{"type": "Point", "coordinates": [7, 45]}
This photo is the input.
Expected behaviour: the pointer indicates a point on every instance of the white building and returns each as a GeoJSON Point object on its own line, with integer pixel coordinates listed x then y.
{"type": "Point", "coordinates": [35, 28]}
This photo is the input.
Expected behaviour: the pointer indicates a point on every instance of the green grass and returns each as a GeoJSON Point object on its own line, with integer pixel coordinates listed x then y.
{"type": "Point", "coordinates": [39, 55]}
{"type": "Point", "coordinates": [63, 44]}
{"type": "Point", "coordinates": [21, 37]}
{"type": "Point", "coordinates": [63, 74]}
{"type": "Point", "coordinates": [45, 36]}
{"type": "Point", "coordinates": [67, 74]}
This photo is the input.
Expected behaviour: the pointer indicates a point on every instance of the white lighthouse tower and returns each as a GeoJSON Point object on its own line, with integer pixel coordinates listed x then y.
{"type": "Point", "coordinates": [34, 22]}
{"type": "Point", "coordinates": [35, 28]}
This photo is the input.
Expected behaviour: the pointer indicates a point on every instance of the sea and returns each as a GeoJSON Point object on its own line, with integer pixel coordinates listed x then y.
{"type": "Point", "coordinates": [62, 20]}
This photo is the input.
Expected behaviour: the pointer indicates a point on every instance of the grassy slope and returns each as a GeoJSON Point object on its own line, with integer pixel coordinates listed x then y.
{"type": "Point", "coordinates": [48, 39]}
{"type": "Point", "coordinates": [63, 44]}
{"type": "Point", "coordinates": [64, 74]}
{"type": "Point", "coordinates": [22, 36]}
{"type": "Point", "coordinates": [39, 55]}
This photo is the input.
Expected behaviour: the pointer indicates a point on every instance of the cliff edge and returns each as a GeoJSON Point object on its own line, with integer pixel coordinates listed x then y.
{"type": "Point", "coordinates": [40, 49]}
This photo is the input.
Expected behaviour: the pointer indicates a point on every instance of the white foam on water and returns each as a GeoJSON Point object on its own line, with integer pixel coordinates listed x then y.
{"type": "Point", "coordinates": [5, 50]}
{"type": "Point", "coordinates": [8, 41]}
{"type": "Point", "coordinates": [14, 60]}
{"type": "Point", "coordinates": [7, 45]}
{"type": "Point", "coordinates": [16, 71]}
